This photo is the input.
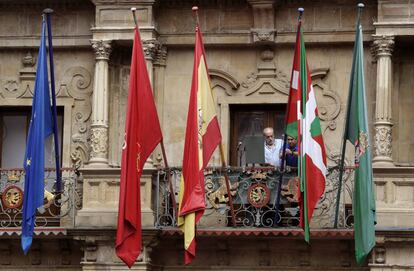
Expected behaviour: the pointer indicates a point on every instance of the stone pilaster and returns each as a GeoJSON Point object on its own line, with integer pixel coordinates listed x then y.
{"type": "Point", "coordinates": [100, 254]}
{"type": "Point", "coordinates": [263, 30]}
{"type": "Point", "coordinates": [382, 50]}
{"type": "Point", "coordinates": [100, 107]}
{"type": "Point", "coordinates": [160, 62]}
{"type": "Point", "coordinates": [151, 48]}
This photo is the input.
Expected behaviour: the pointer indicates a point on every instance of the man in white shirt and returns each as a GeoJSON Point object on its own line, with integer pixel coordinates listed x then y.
{"type": "Point", "coordinates": [272, 147]}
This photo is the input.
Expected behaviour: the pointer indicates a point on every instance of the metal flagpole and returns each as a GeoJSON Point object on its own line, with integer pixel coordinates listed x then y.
{"type": "Point", "coordinates": [223, 160]}
{"type": "Point", "coordinates": [48, 13]}
{"type": "Point", "coordinates": [282, 165]}
{"type": "Point", "coordinates": [282, 171]}
{"type": "Point", "coordinates": [346, 130]}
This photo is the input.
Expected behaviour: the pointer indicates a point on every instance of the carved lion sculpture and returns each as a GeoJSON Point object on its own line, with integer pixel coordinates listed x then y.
{"type": "Point", "coordinates": [220, 195]}
{"type": "Point", "coordinates": [291, 190]}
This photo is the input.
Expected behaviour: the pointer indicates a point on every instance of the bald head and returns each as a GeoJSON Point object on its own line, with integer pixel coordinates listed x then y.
{"type": "Point", "coordinates": [269, 136]}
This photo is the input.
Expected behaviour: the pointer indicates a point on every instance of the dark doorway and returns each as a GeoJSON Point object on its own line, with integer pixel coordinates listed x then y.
{"type": "Point", "coordinates": [249, 120]}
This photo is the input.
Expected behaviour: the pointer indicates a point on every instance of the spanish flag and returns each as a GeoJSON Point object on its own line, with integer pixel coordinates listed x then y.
{"type": "Point", "coordinates": [201, 139]}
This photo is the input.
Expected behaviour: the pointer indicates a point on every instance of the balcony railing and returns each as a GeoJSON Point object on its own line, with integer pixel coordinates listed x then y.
{"type": "Point", "coordinates": [259, 199]}
{"type": "Point", "coordinates": [59, 209]}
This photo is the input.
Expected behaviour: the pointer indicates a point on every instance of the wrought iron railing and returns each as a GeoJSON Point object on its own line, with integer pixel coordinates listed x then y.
{"type": "Point", "coordinates": [254, 193]}
{"type": "Point", "coordinates": [59, 209]}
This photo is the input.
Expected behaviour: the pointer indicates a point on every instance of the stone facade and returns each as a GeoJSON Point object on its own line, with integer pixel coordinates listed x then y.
{"type": "Point", "coordinates": [249, 47]}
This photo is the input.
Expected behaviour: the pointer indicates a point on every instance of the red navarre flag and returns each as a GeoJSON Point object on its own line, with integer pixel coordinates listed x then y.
{"type": "Point", "coordinates": [142, 134]}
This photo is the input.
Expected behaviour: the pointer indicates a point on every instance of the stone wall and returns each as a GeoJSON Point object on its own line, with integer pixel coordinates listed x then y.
{"type": "Point", "coordinates": [45, 254]}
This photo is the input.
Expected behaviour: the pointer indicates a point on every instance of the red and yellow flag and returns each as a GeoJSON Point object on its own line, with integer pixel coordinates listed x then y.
{"type": "Point", "coordinates": [142, 134]}
{"type": "Point", "coordinates": [201, 139]}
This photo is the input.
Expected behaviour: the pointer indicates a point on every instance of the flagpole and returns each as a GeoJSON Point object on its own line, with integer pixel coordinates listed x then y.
{"type": "Point", "coordinates": [47, 12]}
{"type": "Point", "coordinates": [282, 164]}
{"type": "Point", "coordinates": [346, 130]}
{"type": "Point", "coordinates": [174, 203]}
{"type": "Point", "coordinates": [282, 171]}
{"type": "Point", "coordinates": [223, 160]}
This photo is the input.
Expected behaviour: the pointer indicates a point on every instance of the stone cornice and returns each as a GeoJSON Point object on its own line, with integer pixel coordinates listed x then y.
{"type": "Point", "coordinates": [33, 41]}
{"type": "Point", "coordinates": [244, 38]}
{"type": "Point", "coordinates": [394, 172]}
{"type": "Point", "coordinates": [202, 3]}
{"type": "Point", "coordinates": [124, 2]}
{"type": "Point", "coordinates": [28, 4]}
{"type": "Point", "coordinates": [110, 172]}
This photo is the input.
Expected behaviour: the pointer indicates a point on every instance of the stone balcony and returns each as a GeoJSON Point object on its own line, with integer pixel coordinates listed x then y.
{"type": "Point", "coordinates": [59, 209]}
{"type": "Point", "coordinates": [260, 201]}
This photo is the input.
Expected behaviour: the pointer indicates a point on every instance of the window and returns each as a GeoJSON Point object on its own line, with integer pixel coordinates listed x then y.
{"type": "Point", "coordinates": [14, 126]}
{"type": "Point", "coordinates": [250, 120]}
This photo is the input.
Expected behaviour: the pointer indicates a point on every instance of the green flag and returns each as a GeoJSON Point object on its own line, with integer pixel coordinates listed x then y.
{"type": "Point", "coordinates": [357, 132]}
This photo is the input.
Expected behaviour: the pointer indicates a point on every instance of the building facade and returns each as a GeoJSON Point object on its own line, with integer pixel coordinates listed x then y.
{"type": "Point", "coordinates": [249, 48]}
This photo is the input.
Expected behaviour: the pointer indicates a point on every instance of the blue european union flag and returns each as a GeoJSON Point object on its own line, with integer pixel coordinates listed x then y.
{"type": "Point", "coordinates": [41, 126]}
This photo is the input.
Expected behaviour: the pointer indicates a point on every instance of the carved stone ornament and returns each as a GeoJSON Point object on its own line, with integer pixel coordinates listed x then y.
{"type": "Point", "coordinates": [99, 142]}
{"type": "Point", "coordinates": [263, 35]}
{"type": "Point", "coordinates": [161, 56]}
{"type": "Point", "coordinates": [28, 60]}
{"type": "Point", "coordinates": [383, 141]}
{"type": "Point", "coordinates": [379, 255]}
{"type": "Point", "coordinates": [220, 196]}
{"type": "Point", "coordinates": [151, 48]}
{"type": "Point", "coordinates": [102, 48]}
{"type": "Point", "coordinates": [268, 79]}
{"type": "Point", "coordinates": [382, 46]}
{"type": "Point", "coordinates": [11, 86]}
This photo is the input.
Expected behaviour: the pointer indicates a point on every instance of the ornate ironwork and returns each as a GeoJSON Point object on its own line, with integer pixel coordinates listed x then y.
{"type": "Point", "coordinates": [254, 192]}
{"type": "Point", "coordinates": [59, 209]}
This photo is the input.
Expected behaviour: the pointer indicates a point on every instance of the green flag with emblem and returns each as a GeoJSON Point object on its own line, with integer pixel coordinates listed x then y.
{"type": "Point", "coordinates": [357, 132]}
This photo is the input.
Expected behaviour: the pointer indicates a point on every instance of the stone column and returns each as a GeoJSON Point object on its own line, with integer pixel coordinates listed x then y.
{"type": "Point", "coordinates": [382, 49]}
{"type": "Point", "coordinates": [151, 48]}
{"type": "Point", "coordinates": [160, 62]}
{"type": "Point", "coordinates": [100, 107]}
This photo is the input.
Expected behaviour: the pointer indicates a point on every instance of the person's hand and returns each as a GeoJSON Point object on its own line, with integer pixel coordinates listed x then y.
{"type": "Point", "coordinates": [288, 151]}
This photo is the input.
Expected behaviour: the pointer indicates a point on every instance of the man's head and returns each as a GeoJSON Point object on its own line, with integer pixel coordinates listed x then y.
{"type": "Point", "coordinates": [269, 136]}
{"type": "Point", "coordinates": [291, 141]}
